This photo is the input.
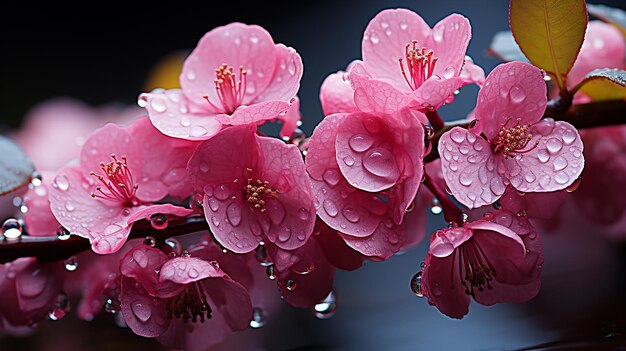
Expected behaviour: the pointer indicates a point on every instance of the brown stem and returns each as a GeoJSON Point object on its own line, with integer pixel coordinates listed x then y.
{"type": "Point", "coordinates": [51, 248]}
{"type": "Point", "coordinates": [435, 120]}
{"type": "Point", "coordinates": [450, 211]}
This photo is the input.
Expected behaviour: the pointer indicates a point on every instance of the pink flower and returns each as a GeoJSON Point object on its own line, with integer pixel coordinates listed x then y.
{"type": "Point", "coordinates": [121, 172]}
{"type": "Point", "coordinates": [407, 63]}
{"type": "Point", "coordinates": [519, 149]}
{"type": "Point", "coordinates": [365, 170]}
{"type": "Point", "coordinates": [29, 291]}
{"type": "Point", "coordinates": [39, 219]}
{"type": "Point", "coordinates": [603, 47]}
{"type": "Point", "coordinates": [494, 259]}
{"type": "Point", "coordinates": [533, 205]}
{"type": "Point", "coordinates": [236, 75]}
{"type": "Point", "coordinates": [255, 189]}
{"type": "Point", "coordinates": [185, 302]}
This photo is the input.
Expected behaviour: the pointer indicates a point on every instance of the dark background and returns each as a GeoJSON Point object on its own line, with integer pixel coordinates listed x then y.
{"type": "Point", "coordinates": [103, 53]}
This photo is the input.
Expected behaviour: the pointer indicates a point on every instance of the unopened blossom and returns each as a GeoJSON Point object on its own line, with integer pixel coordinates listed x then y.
{"type": "Point", "coordinates": [120, 174]}
{"type": "Point", "coordinates": [254, 189]}
{"type": "Point", "coordinates": [495, 259]}
{"type": "Point", "coordinates": [405, 62]}
{"type": "Point", "coordinates": [235, 75]}
{"type": "Point", "coordinates": [185, 302]}
{"type": "Point", "coordinates": [365, 170]}
{"type": "Point", "coordinates": [511, 144]}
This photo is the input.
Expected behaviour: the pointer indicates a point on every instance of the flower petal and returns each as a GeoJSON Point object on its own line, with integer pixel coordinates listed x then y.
{"type": "Point", "coordinates": [286, 78]}
{"type": "Point", "coordinates": [336, 94]}
{"type": "Point", "coordinates": [470, 168]}
{"type": "Point", "coordinates": [145, 315]}
{"type": "Point", "coordinates": [384, 242]}
{"type": "Point", "coordinates": [554, 164]}
{"type": "Point", "coordinates": [106, 141]}
{"type": "Point", "coordinates": [449, 41]}
{"type": "Point", "coordinates": [371, 95]}
{"type": "Point", "coordinates": [254, 113]}
{"type": "Point", "coordinates": [513, 91]}
{"type": "Point", "coordinates": [443, 288]}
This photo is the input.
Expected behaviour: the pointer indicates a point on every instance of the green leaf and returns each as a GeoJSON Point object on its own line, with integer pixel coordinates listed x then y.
{"type": "Point", "coordinates": [504, 47]}
{"type": "Point", "coordinates": [550, 33]}
{"type": "Point", "coordinates": [616, 17]}
{"type": "Point", "coordinates": [604, 84]}
{"type": "Point", "coordinates": [16, 168]}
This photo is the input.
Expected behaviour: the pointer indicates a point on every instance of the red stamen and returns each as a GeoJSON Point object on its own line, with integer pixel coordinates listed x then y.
{"type": "Point", "coordinates": [118, 184]}
{"type": "Point", "coordinates": [513, 141]}
{"type": "Point", "coordinates": [420, 65]}
{"type": "Point", "coordinates": [230, 92]}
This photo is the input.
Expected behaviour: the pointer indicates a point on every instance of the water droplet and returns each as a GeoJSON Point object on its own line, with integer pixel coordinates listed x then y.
{"type": "Point", "coordinates": [185, 122]}
{"type": "Point", "coordinates": [69, 206]}
{"type": "Point", "coordinates": [284, 234]}
{"type": "Point", "coordinates": [435, 207]}
{"type": "Point", "coordinates": [327, 307]}
{"type": "Point", "coordinates": [62, 233]}
{"type": "Point", "coordinates": [330, 208]}
{"type": "Point", "coordinates": [292, 68]}
{"type": "Point", "coordinates": [403, 25]}
{"type": "Point", "coordinates": [142, 101]}
{"type": "Point", "coordinates": [222, 192]}
{"type": "Point", "coordinates": [197, 131]}
{"type": "Point", "coordinates": [36, 179]}
{"type": "Point", "coordinates": [543, 156]}
{"type": "Point", "coordinates": [332, 176]}
{"type": "Point", "coordinates": [554, 145]}
{"type": "Point", "coordinates": [416, 284]}
{"type": "Point", "coordinates": [291, 285]}
{"type": "Point", "coordinates": [174, 246]}
{"type": "Point", "coordinates": [349, 161]}
{"type": "Point", "coordinates": [374, 39]}
{"type": "Point", "coordinates": [150, 241]}
{"type": "Point", "coordinates": [233, 213]}
{"type": "Point", "coordinates": [158, 105]}
{"type": "Point", "coordinates": [258, 318]}
{"type": "Point", "coordinates": [438, 33]}
{"type": "Point", "coordinates": [561, 178]}
{"type": "Point", "coordinates": [71, 264]}
{"type": "Point", "coordinates": [360, 142]}
{"type": "Point", "coordinates": [141, 311]}
{"type": "Point", "coordinates": [61, 182]}
{"type": "Point", "coordinates": [158, 221]}
{"type": "Point", "coordinates": [449, 72]}
{"type": "Point", "coordinates": [351, 214]}
{"type": "Point", "coordinates": [24, 208]}
{"type": "Point", "coordinates": [109, 306]}
{"type": "Point", "coordinates": [466, 178]}
{"type": "Point", "coordinates": [457, 136]}
{"type": "Point", "coordinates": [60, 307]}
{"type": "Point", "coordinates": [303, 214]}
{"type": "Point", "coordinates": [569, 136]}
{"type": "Point", "coordinates": [517, 94]}
{"type": "Point", "coordinates": [560, 163]}
{"type": "Point", "coordinates": [379, 161]}
{"type": "Point", "coordinates": [271, 272]}
{"type": "Point", "coordinates": [191, 74]}
{"type": "Point", "coordinates": [11, 228]}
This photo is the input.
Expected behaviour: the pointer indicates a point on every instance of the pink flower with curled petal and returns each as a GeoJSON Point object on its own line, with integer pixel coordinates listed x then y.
{"type": "Point", "coordinates": [495, 259]}
{"type": "Point", "coordinates": [518, 148]}
{"type": "Point", "coordinates": [255, 189]}
{"type": "Point", "coordinates": [120, 174]}
{"type": "Point", "coordinates": [185, 302]}
{"type": "Point", "coordinates": [603, 47]}
{"type": "Point", "coordinates": [236, 75]}
{"type": "Point", "coordinates": [407, 62]}
{"type": "Point", "coordinates": [365, 170]}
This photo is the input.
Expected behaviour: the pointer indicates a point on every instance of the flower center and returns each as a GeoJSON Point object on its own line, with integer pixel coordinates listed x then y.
{"type": "Point", "coordinates": [191, 304]}
{"type": "Point", "coordinates": [512, 141]}
{"type": "Point", "coordinates": [230, 92]}
{"type": "Point", "coordinates": [117, 183]}
{"type": "Point", "coordinates": [474, 268]}
{"type": "Point", "coordinates": [420, 65]}
{"type": "Point", "coordinates": [257, 191]}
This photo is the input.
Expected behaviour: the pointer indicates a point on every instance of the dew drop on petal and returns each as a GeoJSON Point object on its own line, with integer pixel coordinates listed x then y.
{"type": "Point", "coordinates": [554, 145]}
{"type": "Point", "coordinates": [380, 162]}
{"type": "Point", "coordinates": [158, 105]}
{"type": "Point", "coordinates": [197, 131]}
{"type": "Point", "coordinates": [158, 221]}
{"type": "Point", "coordinates": [331, 177]}
{"type": "Point", "coordinates": [569, 136]}
{"type": "Point", "coordinates": [61, 182]}
{"type": "Point", "coordinates": [233, 212]}
{"type": "Point", "coordinates": [62, 233]}
{"type": "Point", "coordinates": [141, 311]}
{"type": "Point", "coordinates": [11, 228]}
{"type": "Point", "coordinates": [561, 178]}
{"type": "Point", "coordinates": [449, 72]}
{"type": "Point", "coordinates": [543, 156]}
{"type": "Point", "coordinates": [360, 142]}
{"type": "Point", "coordinates": [330, 208]}
{"type": "Point", "coordinates": [327, 307]}
{"type": "Point", "coordinates": [351, 214]}
{"type": "Point", "coordinates": [517, 94]}
{"type": "Point", "coordinates": [416, 284]}
{"type": "Point", "coordinates": [560, 163]}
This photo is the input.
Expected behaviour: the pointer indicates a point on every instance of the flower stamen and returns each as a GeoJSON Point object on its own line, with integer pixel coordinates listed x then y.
{"type": "Point", "coordinates": [190, 304]}
{"type": "Point", "coordinates": [513, 141]}
{"type": "Point", "coordinates": [257, 191]}
{"type": "Point", "coordinates": [420, 65]}
{"type": "Point", "coordinates": [230, 92]}
{"type": "Point", "coordinates": [474, 268]}
{"type": "Point", "coordinates": [118, 184]}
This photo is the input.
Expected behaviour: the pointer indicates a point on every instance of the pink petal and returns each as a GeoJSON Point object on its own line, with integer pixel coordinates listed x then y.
{"type": "Point", "coordinates": [336, 94]}
{"type": "Point", "coordinates": [291, 119]}
{"type": "Point", "coordinates": [237, 45]}
{"type": "Point", "coordinates": [472, 73]}
{"type": "Point", "coordinates": [435, 91]}
{"type": "Point", "coordinates": [186, 270]}
{"type": "Point", "coordinates": [603, 47]}
{"type": "Point", "coordinates": [383, 243]}
{"type": "Point", "coordinates": [286, 78]}
{"type": "Point", "coordinates": [443, 289]}
{"type": "Point", "coordinates": [39, 219]}
{"type": "Point", "coordinates": [173, 115]}
{"type": "Point", "coordinates": [292, 212]}
{"type": "Point", "coordinates": [145, 315]}
{"type": "Point", "coordinates": [141, 265]}
{"type": "Point", "coordinates": [341, 206]}
{"type": "Point", "coordinates": [337, 252]}
{"type": "Point", "coordinates": [166, 209]}
{"type": "Point", "coordinates": [106, 141]}
{"type": "Point", "coordinates": [164, 163]}
{"type": "Point", "coordinates": [235, 227]}
{"type": "Point", "coordinates": [37, 286]}
{"type": "Point", "coordinates": [554, 164]}
{"type": "Point", "coordinates": [254, 113]}
{"type": "Point", "coordinates": [491, 227]}
{"type": "Point", "coordinates": [362, 153]}
{"type": "Point", "coordinates": [371, 95]}
{"type": "Point", "coordinates": [470, 168]}
{"type": "Point", "coordinates": [535, 205]}
{"type": "Point", "coordinates": [104, 223]}
{"type": "Point", "coordinates": [513, 91]}
{"type": "Point", "coordinates": [384, 42]}
{"type": "Point", "coordinates": [446, 240]}
{"type": "Point", "coordinates": [449, 41]}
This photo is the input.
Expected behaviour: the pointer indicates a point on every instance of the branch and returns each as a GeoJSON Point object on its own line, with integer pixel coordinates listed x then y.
{"type": "Point", "coordinates": [51, 248]}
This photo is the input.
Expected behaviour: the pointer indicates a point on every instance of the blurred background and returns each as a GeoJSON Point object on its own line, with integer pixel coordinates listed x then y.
{"type": "Point", "coordinates": [104, 55]}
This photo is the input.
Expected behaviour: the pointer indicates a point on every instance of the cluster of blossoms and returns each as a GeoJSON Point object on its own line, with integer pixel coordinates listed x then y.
{"type": "Point", "coordinates": [293, 209]}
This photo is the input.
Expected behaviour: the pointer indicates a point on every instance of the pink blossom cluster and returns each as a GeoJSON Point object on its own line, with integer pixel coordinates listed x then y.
{"type": "Point", "coordinates": [283, 214]}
